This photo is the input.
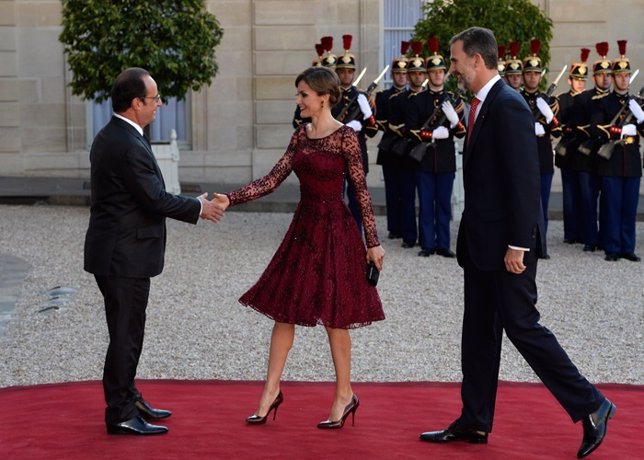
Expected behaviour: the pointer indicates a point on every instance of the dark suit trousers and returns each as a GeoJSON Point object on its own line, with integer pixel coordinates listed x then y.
{"type": "Point", "coordinates": [125, 302]}
{"type": "Point", "coordinates": [497, 301]}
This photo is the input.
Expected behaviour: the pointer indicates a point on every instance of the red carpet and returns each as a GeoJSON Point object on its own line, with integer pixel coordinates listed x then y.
{"type": "Point", "coordinates": [65, 421]}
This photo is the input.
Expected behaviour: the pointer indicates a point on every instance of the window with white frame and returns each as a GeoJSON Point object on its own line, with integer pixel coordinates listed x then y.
{"type": "Point", "coordinates": [400, 17]}
{"type": "Point", "coordinates": [171, 115]}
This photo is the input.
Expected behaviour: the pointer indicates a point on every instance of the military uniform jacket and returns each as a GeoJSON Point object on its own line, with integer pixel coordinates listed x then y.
{"type": "Point", "coordinates": [586, 101]}
{"type": "Point", "coordinates": [349, 95]}
{"type": "Point", "coordinates": [569, 118]}
{"type": "Point", "coordinates": [385, 157]}
{"type": "Point", "coordinates": [626, 159]}
{"type": "Point", "coordinates": [441, 154]}
{"type": "Point", "coordinates": [398, 107]}
{"type": "Point", "coordinates": [544, 143]}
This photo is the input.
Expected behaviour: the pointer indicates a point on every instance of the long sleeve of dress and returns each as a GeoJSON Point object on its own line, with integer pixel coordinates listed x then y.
{"type": "Point", "coordinates": [267, 184]}
{"type": "Point", "coordinates": [353, 157]}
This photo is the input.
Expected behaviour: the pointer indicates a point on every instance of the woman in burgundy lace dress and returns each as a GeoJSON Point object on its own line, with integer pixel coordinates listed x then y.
{"type": "Point", "coordinates": [318, 274]}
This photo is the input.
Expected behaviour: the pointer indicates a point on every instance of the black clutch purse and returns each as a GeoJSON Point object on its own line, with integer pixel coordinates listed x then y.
{"type": "Point", "coordinates": [372, 274]}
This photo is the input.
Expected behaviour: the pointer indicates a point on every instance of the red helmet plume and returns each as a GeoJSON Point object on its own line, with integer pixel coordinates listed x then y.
{"type": "Point", "coordinates": [346, 42]}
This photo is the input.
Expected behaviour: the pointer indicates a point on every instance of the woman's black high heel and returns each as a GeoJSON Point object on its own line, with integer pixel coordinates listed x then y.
{"type": "Point", "coordinates": [258, 420]}
{"type": "Point", "coordinates": [351, 408]}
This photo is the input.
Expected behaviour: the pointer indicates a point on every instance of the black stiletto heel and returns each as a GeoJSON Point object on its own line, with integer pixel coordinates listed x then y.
{"type": "Point", "coordinates": [351, 408]}
{"type": "Point", "coordinates": [259, 420]}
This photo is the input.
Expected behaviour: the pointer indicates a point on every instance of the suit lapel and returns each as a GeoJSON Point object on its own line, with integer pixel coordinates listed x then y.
{"type": "Point", "coordinates": [480, 119]}
{"type": "Point", "coordinates": [144, 143]}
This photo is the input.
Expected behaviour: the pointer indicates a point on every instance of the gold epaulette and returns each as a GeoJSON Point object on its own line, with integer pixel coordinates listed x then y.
{"type": "Point", "coordinates": [599, 96]}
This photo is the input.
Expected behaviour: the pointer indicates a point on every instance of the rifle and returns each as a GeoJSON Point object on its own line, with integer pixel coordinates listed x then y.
{"type": "Point", "coordinates": [419, 151]}
{"type": "Point", "coordinates": [352, 109]}
{"type": "Point", "coordinates": [606, 150]}
{"type": "Point", "coordinates": [551, 89]}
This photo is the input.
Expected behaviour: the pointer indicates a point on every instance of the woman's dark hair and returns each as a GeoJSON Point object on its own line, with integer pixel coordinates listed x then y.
{"type": "Point", "coordinates": [127, 86]}
{"type": "Point", "coordinates": [479, 40]}
{"type": "Point", "coordinates": [323, 81]}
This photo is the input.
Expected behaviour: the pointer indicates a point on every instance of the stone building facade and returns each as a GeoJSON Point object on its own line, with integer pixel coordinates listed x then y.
{"type": "Point", "coordinates": [240, 125]}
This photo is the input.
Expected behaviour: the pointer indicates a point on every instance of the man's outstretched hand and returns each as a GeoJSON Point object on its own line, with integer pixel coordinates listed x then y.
{"type": "Point", "coordinates": [211, 210]}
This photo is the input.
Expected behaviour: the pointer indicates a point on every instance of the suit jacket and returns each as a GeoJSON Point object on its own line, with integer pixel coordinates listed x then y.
{"type": "Point", "coordinates": [502, 183]}
{"type": "Point", "coordinates": [126, 234]}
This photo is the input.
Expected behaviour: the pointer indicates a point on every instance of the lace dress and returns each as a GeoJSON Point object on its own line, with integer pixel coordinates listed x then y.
{"type": "Point", "coordinates": [318, 274]}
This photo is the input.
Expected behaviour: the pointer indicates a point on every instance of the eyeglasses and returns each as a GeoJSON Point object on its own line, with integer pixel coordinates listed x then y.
{"type": "Point", "coordinates": [156, 98]}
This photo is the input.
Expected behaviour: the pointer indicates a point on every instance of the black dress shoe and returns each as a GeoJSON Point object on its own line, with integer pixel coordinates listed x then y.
{"type": "Point", "coordinates": [545, 257]}
{"type": "Point", "coordinates": [567, 241]}
{"type": "Point", "coordinates": [150, 413]}
{"type": "Point", "coordinates": [407, 245]}
{"type": "Point", "coordinates": [595, 426]}
{"type": "Point", "coordinates": [589, 248]}
{"type": "Point", "coordinates": [611, 257]}
{"type": "Point", "coordinates": [453, 433]}
{"type": "Point", "coordinates": [445, 253]}
{"type": "Point", "coordinates": [394, 235]}
{"type": "Point", "coordinates": [631, 256]}
{"type": "Point", "coordinates": [425, 253]}
{"type": "Point", "coordinates": [135, 425]}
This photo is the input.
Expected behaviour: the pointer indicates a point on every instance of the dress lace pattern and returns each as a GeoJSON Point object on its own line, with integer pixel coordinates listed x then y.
{"type": "Point", "coordinates": [318, 273]}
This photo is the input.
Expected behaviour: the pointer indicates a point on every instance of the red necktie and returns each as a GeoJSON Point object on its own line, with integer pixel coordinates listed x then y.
{"type": "Point", "coordinates": [472, 117]}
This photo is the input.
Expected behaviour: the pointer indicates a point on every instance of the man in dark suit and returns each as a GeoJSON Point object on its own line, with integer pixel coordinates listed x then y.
{"type": "Point", "coordinates": [499, 240]}
{"type": "Point", "coordinates": [125, 241]}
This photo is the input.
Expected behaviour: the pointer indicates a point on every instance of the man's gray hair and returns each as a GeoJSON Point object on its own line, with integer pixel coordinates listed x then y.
{"type": "Point", "coordinates": [479, 40]}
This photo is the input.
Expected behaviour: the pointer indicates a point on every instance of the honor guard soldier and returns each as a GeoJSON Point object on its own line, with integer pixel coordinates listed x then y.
{"type": "Point", "coordinates": [325, 58]}
{"type": "Point", "coordinates": [500, 66]}
{"type": "Point", "coordinates": [345, 67]}
{"type": "Point", "coordinates": [392, 170]}
{"type": "Point", "coordinates": [514, 68]}
{"type": "Point", "coordinates": [584, 159]}
{"type": "Point", "coordinates": [544, 109]}
{"type": "Point", "coordinates": [619, 120]}
{"type": "Point", "coordinates": [433, 119]}
{"type": "Point", "coordinates": [569, 118]}
{"type": "Point", "coordinates": [398, 108]}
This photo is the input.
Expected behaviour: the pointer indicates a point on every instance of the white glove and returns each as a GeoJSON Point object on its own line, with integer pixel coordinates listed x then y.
{"type": "Point", "coordinates": [538, 129]}
{"type": "Point", "coordinates": [355, 125]}
{"type": "Point", "coordinates": [628, 130]}
{"type": "Point", "coordinates": [365, 108]}
{"type": "Point", "coordinates": [440, 133]}
{"type": "Point", "coordinates": [450, 113]}
{"type": "Point", "coordinates": [636, 110]}
{"type": "Point", "coordinates": [545, 109]}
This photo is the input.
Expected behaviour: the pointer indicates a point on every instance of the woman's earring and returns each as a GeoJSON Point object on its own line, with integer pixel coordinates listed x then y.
{"type": "Point", "coordinates": [322, 104]}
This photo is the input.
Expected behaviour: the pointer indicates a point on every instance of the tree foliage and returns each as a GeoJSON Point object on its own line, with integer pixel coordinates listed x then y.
{"type": "Point", "coordinates": [174, 40]}
{"type": "Point", "coordinates": [510, 20]}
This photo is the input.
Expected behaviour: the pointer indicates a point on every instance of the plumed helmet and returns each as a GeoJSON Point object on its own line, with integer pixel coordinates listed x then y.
{"type": "Point", "coordinates": [514, 66]}
{"type": "Point", "coordinates": [532, 63]}
{"type": "Point", "coordinates": [400, 63]}
{"type": "Point", "coordinates": [328, 59]}
{"type": "Point", "coordinates": [416, 63]}
{"type": "Point", "coordinates": [602, 65]}
{"type": "Point", "coordinates": [621, 64]}
{"type": "Point", "coordinates": [435, 60]}
{"type": "Point", "coordinates": [500, 65]}
{"type": "Point", "coordinates": [579, 70]}
{"type": "Point", "coordinates": [319, 50]}
{"type": "Point", "coordinates": [347, 60]}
